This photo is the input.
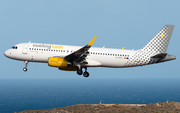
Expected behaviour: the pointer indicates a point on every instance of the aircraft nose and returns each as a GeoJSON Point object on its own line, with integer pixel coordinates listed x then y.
{"type": "Point", "coordinates": [7, 53]}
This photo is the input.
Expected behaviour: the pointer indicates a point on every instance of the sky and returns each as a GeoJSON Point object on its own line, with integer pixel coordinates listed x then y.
{"type": "Point", "coordinates": [117, 23]}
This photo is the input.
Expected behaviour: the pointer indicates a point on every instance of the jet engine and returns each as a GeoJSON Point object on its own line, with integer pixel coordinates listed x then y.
{"type": "Point", "coordinates": [61, 63]}
{"type": "Point", "coordinates": [58, 62]}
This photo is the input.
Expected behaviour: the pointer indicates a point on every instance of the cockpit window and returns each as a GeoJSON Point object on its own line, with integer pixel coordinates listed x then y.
{"type": "Point", "coordinates": [14, 47]}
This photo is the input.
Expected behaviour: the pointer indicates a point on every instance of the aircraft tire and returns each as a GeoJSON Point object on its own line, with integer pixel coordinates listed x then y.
{"type": "Point", "coordinates": [79, 72]}
{"type": "Point", "coordinates": [86, 74]}
{"type": "Point", "coordinates": [25, 69]}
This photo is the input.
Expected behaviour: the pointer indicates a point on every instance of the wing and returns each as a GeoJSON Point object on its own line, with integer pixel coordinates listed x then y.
{"type": "Point", "coordinates": [80, 55]}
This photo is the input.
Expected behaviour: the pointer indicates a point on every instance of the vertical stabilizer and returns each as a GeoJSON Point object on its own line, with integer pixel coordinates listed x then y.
{"type": "Point", "coordinates": [160, 42]}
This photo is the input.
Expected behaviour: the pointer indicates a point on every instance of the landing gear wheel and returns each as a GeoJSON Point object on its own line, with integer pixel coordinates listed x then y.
{"type": "Point", "coordinates": [86, 74]}
{"type": "Point", "coordinates": [79, 72]}
{"type": "Point", "coordinates": [26, 64]}
{"type": "Point", "coordinates": [25, 69]}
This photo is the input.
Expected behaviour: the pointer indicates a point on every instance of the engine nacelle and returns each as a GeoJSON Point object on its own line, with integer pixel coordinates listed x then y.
{"type": "Point", "coordinates": [57, 62]}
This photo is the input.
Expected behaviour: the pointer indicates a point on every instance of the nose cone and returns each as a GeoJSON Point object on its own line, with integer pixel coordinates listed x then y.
{"type": "Point", "coordinates": [7, 53]}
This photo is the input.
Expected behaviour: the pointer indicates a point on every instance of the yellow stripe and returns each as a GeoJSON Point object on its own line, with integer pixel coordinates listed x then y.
{"type": "Point", "coordinates": [123, 47]}
{"type": "Point", "coordinates": [92, 41]}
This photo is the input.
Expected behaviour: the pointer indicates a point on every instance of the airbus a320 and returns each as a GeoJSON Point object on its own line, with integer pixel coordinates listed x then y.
{"type": "Point", "coordinates": [76, 58]}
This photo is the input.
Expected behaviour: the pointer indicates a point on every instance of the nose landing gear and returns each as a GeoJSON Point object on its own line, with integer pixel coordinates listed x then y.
{"type": "Point", "coordinates": [25, 68]}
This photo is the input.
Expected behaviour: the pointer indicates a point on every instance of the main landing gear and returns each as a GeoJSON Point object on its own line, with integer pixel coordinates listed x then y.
{"type": "Point", "coordinates": [80, 72]}
{"type": "Point", "coordinates": [25, 68]}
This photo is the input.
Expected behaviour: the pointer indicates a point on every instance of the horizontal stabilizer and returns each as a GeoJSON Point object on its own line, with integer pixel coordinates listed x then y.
{"type": "Point", "coordinates": [160, 56]}
{"type": "Point", "coordinates": [163, 57]}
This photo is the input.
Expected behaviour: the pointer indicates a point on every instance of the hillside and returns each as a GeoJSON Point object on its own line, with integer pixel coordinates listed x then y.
{"type": "Point", "coordinates": [170, 107]}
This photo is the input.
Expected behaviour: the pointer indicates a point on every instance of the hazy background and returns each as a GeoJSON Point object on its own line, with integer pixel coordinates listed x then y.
{"type": "Point", "coordinates": [117, 24]}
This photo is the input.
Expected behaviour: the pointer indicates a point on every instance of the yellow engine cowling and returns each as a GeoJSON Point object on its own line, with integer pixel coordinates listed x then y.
{"type": "Point", "coordinates": [57, 62]}
{"type": "Point", "coordinates": [61, 63]}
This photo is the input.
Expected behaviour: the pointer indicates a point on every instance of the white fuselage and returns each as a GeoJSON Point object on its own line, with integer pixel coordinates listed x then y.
{"type": "Point", "coordinates": [74, 58]}
{"type": "Point", "coordinates": [97, 57]}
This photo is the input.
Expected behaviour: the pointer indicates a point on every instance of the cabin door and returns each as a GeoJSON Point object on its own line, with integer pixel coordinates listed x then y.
{"type": "Point", "coordinates": [25, 49]}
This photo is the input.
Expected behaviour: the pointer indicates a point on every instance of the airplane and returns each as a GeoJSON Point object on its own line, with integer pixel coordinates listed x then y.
{"type": "Point", "coordinates": [75, 58]}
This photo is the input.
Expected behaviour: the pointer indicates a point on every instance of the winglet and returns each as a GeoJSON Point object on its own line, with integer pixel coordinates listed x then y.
{"type": "Point", "coordinates": [92, 41]}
